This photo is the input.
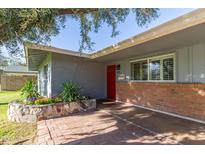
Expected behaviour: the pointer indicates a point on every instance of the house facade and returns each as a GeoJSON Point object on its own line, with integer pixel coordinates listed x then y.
{"type": "Point", "coordinates": [55, 66]}
{"type": "Point", "coordinates": [162, 69]}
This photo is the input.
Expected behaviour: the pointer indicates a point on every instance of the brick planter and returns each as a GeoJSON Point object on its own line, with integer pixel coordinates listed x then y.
{"type": "Point", "coordinates": [33, 113]}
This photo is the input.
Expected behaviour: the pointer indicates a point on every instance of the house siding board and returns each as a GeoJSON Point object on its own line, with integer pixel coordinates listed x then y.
{"type": "Point", "coordinates": [124, 67]}
{"type": "Point", "coordinates": [191, 64]}
{"type": "Point", "coordinates": [88, 74]}
{"type": "Point", "coordinates": [41, 89]}
{"type": "Point", "coordinates": [198, 55]}
{"type": "Point", "coordinates": [182, 63]}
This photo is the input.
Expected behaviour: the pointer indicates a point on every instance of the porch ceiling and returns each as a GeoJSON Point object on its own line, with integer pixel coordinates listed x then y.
{"type": "Point", "coordinates": [35, 58]}
{"type": "Point", "coordinates": [167, 43]}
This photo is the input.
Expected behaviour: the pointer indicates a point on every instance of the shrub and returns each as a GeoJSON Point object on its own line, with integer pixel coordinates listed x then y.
{"type": "Point", "coordinates": [57, 99]}
{"type": "Point", "coordinates": [46, 101]}
{"type": "Point", "coordinates": [70, 92]}
{"type": "Point", "coordinates": [41, 102]}
{"type": "Point", "coordinates": [31, 103]}
{"type": "Point", "coordinates": [29, 91]}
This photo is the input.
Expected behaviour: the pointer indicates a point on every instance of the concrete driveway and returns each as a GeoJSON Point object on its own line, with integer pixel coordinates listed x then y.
{"type": "Point", "coordinates": [119, 124]}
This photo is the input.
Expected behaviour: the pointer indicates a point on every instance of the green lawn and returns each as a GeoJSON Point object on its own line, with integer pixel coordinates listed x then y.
{"type": "Point", "coordinates": [11, 132]}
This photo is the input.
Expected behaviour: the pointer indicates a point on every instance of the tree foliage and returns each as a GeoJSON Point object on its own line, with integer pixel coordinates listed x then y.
{"type": "Point", "coordinates": [37, 25]}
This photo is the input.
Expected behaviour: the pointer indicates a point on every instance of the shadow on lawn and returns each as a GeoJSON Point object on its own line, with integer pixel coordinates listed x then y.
{"type": "Point", "coordinates": [3, 104]}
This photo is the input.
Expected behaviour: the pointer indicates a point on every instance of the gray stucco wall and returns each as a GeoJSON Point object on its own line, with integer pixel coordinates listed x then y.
{"type": "Point", "coordinates": [190, 63]}
{"type": "Point", "coordinates": [91, 76]}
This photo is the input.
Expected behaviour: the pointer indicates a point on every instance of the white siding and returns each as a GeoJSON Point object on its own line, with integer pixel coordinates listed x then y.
{"type": "Point", "coordinates": [41, 89]}
{"type": "Point", "coordinates": [190, 63]}
{"type": "Point", "coordinates": [124, 68]}
{"type": "Point", "coordinates": [183, 65]}
{"type": "Point", "coordinates": [198, 54]}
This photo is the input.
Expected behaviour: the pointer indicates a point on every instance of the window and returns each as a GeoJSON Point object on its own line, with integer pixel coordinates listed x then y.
{"type": "Point", "coordinates": [159, 68]}
{"type": "Point", "coordinates": [139, 70]}
{"type": "Point", "coordinates": [118, 70]}
{"type": "Point", "coordinates": [168, 69]}
{"type": "Point", "coordinates": [154, 69]}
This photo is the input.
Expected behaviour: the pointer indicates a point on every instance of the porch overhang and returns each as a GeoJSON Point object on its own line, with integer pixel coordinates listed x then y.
{"type": "Point", "coordinates": [182, 31]}
{"type": "Point", "coordinates": [168, 43]}
{"type": "Point", "coordinates": [34, 58]}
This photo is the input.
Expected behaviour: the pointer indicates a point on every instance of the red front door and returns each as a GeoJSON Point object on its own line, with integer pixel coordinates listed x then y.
{"type": "Point", "coordinates": [111, 83]}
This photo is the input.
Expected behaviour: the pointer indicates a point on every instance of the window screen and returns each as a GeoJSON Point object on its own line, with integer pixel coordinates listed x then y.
{"type": "Point", "coordinates": [168, 69]}
{"type": "Point", "coordinates": [155, 70]}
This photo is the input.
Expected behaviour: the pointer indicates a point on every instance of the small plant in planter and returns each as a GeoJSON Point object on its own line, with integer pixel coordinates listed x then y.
{"type": "Point", "coordinates": [70, 92]}
{"type": "Point", "coordinates": [29, 91]}
{"type": "Point", "coordinates": [43, 101]}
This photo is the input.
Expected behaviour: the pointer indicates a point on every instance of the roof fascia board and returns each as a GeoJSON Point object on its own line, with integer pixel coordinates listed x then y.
{"type": "Point", "coordinates": [54, 50]}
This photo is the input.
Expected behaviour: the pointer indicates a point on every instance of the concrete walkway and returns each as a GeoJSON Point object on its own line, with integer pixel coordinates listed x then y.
{"type": "Point", "coordinates": [119, 124]}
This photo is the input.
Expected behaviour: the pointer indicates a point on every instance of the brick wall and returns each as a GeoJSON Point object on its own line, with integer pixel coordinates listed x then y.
{"type": "Point", "coordinates": [182, 99]}
{"type": "Point", "coordinates": [14, 82]}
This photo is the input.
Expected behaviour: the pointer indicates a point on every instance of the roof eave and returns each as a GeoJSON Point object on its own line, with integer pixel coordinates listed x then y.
{"type": "Point", "coordinates": [186, 21]}
{"type": "Point", "coordinates": [54, 50]}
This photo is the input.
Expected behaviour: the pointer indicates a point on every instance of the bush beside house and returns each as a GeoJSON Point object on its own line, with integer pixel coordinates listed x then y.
{"type": "Point", "coordinates": [34, 107]}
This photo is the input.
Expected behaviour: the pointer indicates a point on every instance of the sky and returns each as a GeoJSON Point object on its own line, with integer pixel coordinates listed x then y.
{"type": "Point", "coordinates": [69, 37]}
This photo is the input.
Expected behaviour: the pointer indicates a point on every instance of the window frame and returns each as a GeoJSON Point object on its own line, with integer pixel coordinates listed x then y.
{"type": "Point", "coordinates": [161, 58]}
{"type": "Point", "coordinates": [138, 61]}
{"type": "Point", "coordinates": [118, 71]}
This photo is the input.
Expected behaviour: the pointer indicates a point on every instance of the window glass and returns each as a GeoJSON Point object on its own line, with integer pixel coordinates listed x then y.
{"type": "Point", "coordinates": [155, 70]}
{"type": "Point", "coordinates": [118, 70]}
{"type": "Point", "coordinates": [118, 67]}
{"type": "Point", "coordinates": [144, 70]}
{"type": "Point", "coordinates": [161, 68]}
{"type": "Point", "coordinates": [168, 69]}
{"type": "Point", "coordinates": [139, 70]}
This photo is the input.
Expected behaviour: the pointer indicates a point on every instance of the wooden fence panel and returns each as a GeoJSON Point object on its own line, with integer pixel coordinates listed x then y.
{"type": "Point", "coordinates": [14, 82]}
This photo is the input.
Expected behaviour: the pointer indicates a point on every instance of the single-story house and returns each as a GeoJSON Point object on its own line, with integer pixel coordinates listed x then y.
{"type": "Point", "coordinates": [162, 69]}
{"type": "Point", "coordinates": [14, 77]}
